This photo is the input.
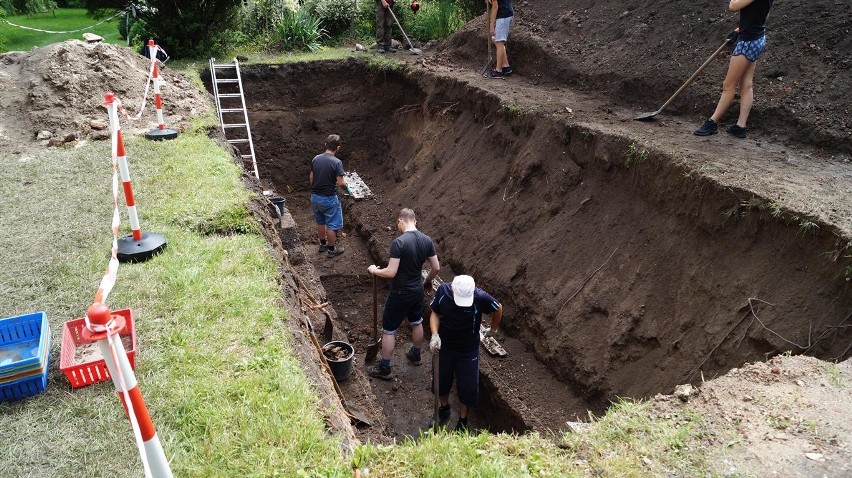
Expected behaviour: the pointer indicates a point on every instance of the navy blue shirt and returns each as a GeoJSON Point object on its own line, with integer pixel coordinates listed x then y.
{"type": "Point", "coordinates": [753, 20]}
{"type": "Point", "coordinates": [504, 9]}
{"type": "Point", "coordinates": [326, 168]}
{"type": "Point", "coordinates": [412, 249]}
{"type": "Point", "coordinates": [459, 327]}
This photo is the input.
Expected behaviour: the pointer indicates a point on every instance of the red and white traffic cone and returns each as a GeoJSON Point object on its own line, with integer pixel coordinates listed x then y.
{"type": "Point", "coordinates": [102, 326]}
{"type": "Point", "coordinates": [160, 132]}
{"type": "Point", "coordinates": [138, 246]}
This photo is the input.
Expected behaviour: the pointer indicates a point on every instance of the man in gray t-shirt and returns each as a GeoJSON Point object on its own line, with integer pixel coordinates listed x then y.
{"type": "Point", "coordinates": [326, 176]}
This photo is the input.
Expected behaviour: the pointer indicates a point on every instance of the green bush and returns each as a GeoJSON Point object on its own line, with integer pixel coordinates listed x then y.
{"type": "Point", "coordinates": [335, 15]}
{"type": "Point", "coordinates": [300, 30]}
{"type": "Point", "coordinates": [123, 23]}
{"type": "Point", "coordinates": [259, 18]}
{"type": "Point", "coordinates": [436, 20]}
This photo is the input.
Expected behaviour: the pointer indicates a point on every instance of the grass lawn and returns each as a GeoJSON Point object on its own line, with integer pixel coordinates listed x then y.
{"type": "Point", "coordinates": [215, 361]}
{"type": "Point", "coordinates": [66, 19]}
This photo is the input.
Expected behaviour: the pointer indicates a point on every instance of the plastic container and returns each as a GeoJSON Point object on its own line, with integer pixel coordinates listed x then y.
{"type": "Point", "coordinates": [341, 368]}
{"type": "Point", "coordinates": [24, 355]}
{"type": "Point", "coordinates": [85, 373]}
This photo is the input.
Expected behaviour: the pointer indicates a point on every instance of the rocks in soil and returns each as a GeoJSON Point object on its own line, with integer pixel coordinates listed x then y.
{"type": "Point", "coordinates": [683, 392]}
{"type": "Point", "coordinates": [334, 353]}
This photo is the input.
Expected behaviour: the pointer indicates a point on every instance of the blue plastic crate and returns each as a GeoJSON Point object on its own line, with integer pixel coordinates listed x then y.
{"type": "Point", "coordinates": [27, 386]}
{"type": "Point", "coordinates": [24, 353]}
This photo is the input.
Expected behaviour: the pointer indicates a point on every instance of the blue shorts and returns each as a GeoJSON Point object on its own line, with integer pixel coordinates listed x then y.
{"type": "Point", "coordinates": [327, 211]}
{"type": "Point", "coordinates": [464, 367]}
{"type": "Point", "coordinates": [751, 49]}
{"type": "Point", "coordinates": [402, 304]}
{"type": "Point", "coordinates": [501, 28]}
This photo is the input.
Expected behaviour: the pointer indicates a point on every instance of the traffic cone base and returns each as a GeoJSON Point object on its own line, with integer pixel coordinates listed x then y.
{"type": "Point", "coordinates": [132, 250]}
{"type": "Point", "coordinates": [158, 134]}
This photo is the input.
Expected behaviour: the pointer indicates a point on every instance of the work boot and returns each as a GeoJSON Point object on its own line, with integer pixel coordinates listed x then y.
{"type": "Point", "coordinates": [461, 426]}
{"type": "Point", "coordinates": [390, 49]}
{"type": "Point", "coordinates": [378, 371]}
{"type": "Point", "coordinates": [335, 252]}
{"type": "Point", "coordinates": [443, 413]}
{"type": "Point", "coordinates": [707, 128]}
{"type": "Point", "coordinates": [737, 130]}
{"type": "Point", "coordinates": [323, 247]}
{"type": "Point", "coordinates": [414, 359]}
{"type": "Point", "coordinates": [380, 49]}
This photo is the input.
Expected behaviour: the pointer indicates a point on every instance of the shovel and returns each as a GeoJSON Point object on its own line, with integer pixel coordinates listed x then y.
{"type": "Point", "coordinates": [487, 39]}
{"type": "Point", "coordinates": [373, 348]}
{"type": "Point", "coordinates": [435, 374]}
{"type": "Point", "coordinates": [414, 51]}
{"type": "Point", "coordinates": [648, 116]}
{"type": "Point", "coordinates": [357, 416]}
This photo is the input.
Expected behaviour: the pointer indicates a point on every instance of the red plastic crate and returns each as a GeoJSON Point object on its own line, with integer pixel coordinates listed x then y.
{"type": "Point", "coordinates": [87, 373]}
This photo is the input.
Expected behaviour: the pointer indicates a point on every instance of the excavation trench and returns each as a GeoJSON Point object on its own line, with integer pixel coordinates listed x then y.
{"type": "Point", "coordinates": [621, 273]}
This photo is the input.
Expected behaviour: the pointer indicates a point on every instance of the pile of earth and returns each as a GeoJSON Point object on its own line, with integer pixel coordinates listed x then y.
{"type": "Point", "coordinates": [638, 52]}
{"type": "Point", "coordinates": [59, 89]}
{"type": "Point", "coordinates": [788, 416]}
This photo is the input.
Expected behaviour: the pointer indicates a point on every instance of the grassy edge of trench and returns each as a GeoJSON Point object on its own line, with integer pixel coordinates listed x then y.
{"type": "Point", "coordinates": [215, 361]}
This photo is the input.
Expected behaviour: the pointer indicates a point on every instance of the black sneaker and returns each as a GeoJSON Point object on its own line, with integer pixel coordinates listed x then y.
{"type": "Point", "coordinates": [380, 49]}
{"type": "Point", "coordinates": [508, 70]}
{"type": "Point", "coordinates": [461, 426]}
{"type": "Point", "coordinates": [378, 371]}
{"type": "Point", "coordinates": [737, 130]}
{"type": "Point", "coordinates": [443, 413]}
{"type": "Point", "coordinates": [707, 128]}
{"type": "Point", "coordinates": [494, 74]}
{"type": "Point", "coordinates": [391, 50]}
{"type": "Point", "coordinates": [323, 247]}
{"type": "Point", "coordinates": [414, 359]}
{"type": "Point", "coordinates": [335, 252]}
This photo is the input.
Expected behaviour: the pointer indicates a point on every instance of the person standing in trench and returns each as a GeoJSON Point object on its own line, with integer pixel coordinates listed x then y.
{"type": "Point", "coordinates": [326, 176]}
{"type": "Point", "coordinates": [408, 252]}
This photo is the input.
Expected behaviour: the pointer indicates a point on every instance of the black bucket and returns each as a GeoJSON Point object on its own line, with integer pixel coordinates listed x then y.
{"type": "Point", "coordinates": [341, 368]}
{"type": "Point", "coordinates": [278, 204]}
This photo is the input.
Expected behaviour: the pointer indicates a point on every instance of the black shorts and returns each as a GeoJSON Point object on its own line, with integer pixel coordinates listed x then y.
{"type": "Point", "coordinates": [464, 368]}
{"type": "Point", "coordinates": [402, 304]}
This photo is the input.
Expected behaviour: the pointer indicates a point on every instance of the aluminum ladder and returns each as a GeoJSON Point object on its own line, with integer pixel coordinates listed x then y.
{"type": "Point", "coordinates": [226, 76]}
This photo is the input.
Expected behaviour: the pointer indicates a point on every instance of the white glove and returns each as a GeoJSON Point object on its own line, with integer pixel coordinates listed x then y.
{"type": "Point", "coordinates": [372, 269]}
{"type": "Point", "coordinates": [490, 333]}
{"type": "Point", "coordinates": [435, 343]}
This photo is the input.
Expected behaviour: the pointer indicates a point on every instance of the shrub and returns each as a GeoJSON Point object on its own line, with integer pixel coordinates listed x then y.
{"type": "Point", "coordinates": [300, 30]}
{"type": "Point", "coordinates": [336, 15]}
{"type": "Point", "coordinates": [259, 18]}
{"type": "Point", "coordinates": [437, 20]}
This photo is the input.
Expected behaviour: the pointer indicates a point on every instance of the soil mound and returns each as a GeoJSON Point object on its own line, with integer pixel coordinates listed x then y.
{"type": "Point", "coordinates": [59, 88]}
{"type": "Point", "coordinates": [638, 52]}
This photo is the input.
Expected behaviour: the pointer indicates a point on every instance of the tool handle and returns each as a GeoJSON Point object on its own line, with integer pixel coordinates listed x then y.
{"type": "Point", "coordinates": [323, 360]}
{"type": "Point", "coordinates": [410, 46]}
{"type": "Point", "coordinates": [435, 377]}
{"type": "Point", "coordinates": [375, 308]}
{"type": "Point", "coordinates": [695, 75]}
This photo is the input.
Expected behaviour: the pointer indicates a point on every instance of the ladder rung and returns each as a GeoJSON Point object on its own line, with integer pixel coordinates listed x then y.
{"type": "Point", "coordinates": [229, 95]}
{"type": "Point", "coordinates": [247, 156]}
{"type": "Point", "coordinates": [231, 110]}
{"type": "Point", "coordinates": [238, 141]}
{"type": "Point", "coordinates": [224, 65]}
{"type": "Point", "coordinates": [227, 80]}
{"type": "Point", "coordinates": [234, 125]}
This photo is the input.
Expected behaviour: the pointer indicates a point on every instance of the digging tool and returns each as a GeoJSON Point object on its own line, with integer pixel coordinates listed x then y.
{"type": "Point", "coordinates": [648, 116]}
{"type": "Point", "coordinates": [373, 348]}
{"type": "Point", "coordinates": [435, 373]}
{"type": "Point", "coordinates": [487, 39]}
{"type": "Point", "coordinates": [414, 51]}
{"type": "Point", "coordinates": [357, 416]}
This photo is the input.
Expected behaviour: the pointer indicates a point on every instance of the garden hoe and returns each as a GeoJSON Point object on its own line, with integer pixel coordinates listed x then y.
{"type": "Point", "coordinates": [373, 348]}
{"type": "Point", "coordinates": [648, 116]}
{"type": "Point", "coordinates": [414, 51]}
{"type": "Point", "coordinates": [357, 416]}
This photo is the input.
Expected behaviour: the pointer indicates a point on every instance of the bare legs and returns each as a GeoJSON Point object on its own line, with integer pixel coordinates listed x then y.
{"type": "Point", "coordinates": [389, 341]}
{"type": "Point", "coordinates": [740, 72]}
{"type": "Point", "coordinates": [326, 233]}
{"type": "Point", "coordinates": [502, 55]}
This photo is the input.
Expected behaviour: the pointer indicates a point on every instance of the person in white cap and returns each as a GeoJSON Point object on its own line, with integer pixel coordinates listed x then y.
{"type": "Point", "coordinates": [456, 314]}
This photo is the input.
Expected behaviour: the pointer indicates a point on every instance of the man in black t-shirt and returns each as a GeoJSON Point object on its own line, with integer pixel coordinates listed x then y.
{"type": "Point", "coordinates": [407, 254]}
{"type": "Point", "coordinates": [326, 176]}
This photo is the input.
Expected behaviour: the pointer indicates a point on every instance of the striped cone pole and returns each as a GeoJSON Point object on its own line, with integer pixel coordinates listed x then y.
{"type": "Point", "coordinates": [138, 246]}
{"type": "Point", "coordinates": [102, 326]}
{"type": "Point", "coordinates": [160, 132]}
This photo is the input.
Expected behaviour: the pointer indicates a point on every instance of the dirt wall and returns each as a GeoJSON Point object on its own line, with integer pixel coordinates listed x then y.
{"type": "Point", "coordinates": [625, 272]}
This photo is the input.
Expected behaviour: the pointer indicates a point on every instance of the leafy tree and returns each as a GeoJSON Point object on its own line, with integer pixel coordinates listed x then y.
{"type": "Point", "coordinates": [189, 28]}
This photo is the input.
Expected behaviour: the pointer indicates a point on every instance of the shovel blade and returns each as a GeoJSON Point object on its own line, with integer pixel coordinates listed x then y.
{"type": "Point", "coordinates": [357, 417]}
{"type": "Point", "coordinates": [647, 116]}
{"type": "Point", "coordinates": [372, 350]}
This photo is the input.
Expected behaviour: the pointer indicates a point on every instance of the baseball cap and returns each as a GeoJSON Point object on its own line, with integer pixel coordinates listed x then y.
{"type": "Point", "coordinates": [463, 287]}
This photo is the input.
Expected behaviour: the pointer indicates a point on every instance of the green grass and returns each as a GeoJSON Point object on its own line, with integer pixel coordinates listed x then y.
{"type": "Point", "coordinates": [67, 19]}
{"type": "Point", "coordinates": [215, 362]}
